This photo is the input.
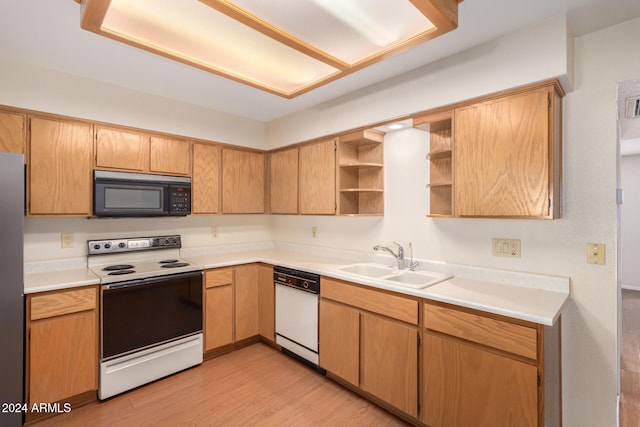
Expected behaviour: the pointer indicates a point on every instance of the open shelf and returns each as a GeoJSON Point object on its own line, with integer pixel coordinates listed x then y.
{"type": "Point", "coordinates": [361, 173]}
{"type": "Point", "coordinates": [439, 126]}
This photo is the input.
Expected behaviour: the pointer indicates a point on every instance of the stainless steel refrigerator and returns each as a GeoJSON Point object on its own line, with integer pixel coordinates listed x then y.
{"type": "Point", "coordinates": [11, 289]}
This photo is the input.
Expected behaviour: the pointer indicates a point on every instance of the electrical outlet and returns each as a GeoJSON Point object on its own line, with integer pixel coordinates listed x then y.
{"type": "Point", "coordinates": [214, 232]}
{"type": "Point", "coordinates": [66, 240]}
{"type": "Point", "coordinates": [314, 231]}
{"type": "Point", "coordinates": [506, 247]}
{"type": "Point", "coordinates": [595, 253]}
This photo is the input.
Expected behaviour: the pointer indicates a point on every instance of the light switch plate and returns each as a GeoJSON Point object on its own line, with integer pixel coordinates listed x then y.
{"type": "Point", "coordinates": [66, 240]}
{"type": "Point", "coordinates": [506, 247]}
{"type": "Point", "coordinates": [595, 253]}
{"type": "Point", "coordinates": [214, 232]}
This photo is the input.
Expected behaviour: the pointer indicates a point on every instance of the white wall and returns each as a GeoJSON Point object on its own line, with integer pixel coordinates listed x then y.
{"type": "Point", "coordinates": [630, 222]}
{"type": "Point", "coordinates": [550, 247]}
{"type": "Point", "coordinates": [50, 91]}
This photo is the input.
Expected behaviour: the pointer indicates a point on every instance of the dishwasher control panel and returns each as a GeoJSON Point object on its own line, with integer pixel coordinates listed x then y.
{"type": "Point", "coordinates": [302, 280]}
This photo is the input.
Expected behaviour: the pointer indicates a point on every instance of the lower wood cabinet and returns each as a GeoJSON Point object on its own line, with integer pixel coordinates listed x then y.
{"type": "Point", "coordinates": [369, 338]}
{"type": "Point", "coordinates": [239, 305]}
{"type": "Point", "coordinates": [488, 370]}
{"type": "Point", "coordinates": [61, 345]}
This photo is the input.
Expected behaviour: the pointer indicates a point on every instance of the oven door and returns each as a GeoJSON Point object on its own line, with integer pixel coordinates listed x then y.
{"type": "Point", "coordinates": [139, 314]}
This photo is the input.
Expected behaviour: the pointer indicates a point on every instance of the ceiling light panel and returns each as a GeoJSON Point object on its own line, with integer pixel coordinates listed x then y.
{"type": "Point", "coordinates": [351, 30]}
{"type": "Point", "coordinates": [198, 34]}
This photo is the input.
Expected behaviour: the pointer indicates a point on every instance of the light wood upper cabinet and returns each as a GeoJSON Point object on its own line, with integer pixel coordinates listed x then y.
{"type": "Point", "coordinates": [60, 168]}
{"type": "Point", "coordinates": [506, 156]}
{"type": "Point", "coordinates": [318, 178]}
{"type": "Point", "coordinates": [205, 179]}
{"type": "Point", "coordinates": [121, 149]}
{"type": "Point", "coordinates": [133, 151]}
{"type": "Point", "coordinates": [12, 132]}
{"type": "Point", "coordinates": [62, 344]}
{"type": "Point", "coordinates": [242, 181]}
{"type": "Point", "coordinates": [283, 183]}
{"type": "Point", "coordinates": [169, 156]}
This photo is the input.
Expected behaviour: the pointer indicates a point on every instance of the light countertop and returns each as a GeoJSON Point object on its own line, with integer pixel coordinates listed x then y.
{"type": "Point", "coordinates": [532, 297]}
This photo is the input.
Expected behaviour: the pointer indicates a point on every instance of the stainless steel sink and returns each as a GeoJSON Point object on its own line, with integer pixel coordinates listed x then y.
{"type": "Point", "coordinates": [404, 278]}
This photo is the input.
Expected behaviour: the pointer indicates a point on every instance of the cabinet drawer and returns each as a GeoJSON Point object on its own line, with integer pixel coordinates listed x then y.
{"type": "Point", "coordinates": [57, 304]}
{"type": "Point", "coordinates": [499, 334]}
{"type": "Point", "coordinates": [213, 278]}
{"type": "Point", "coordinates": [389, 305]}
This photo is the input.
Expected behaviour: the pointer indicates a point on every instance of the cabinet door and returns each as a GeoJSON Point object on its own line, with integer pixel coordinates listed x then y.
{"type": "Point", "coordinates": [63, 359]}
{"type": "Point", "coordinates": [266, 303]}
{"type": "Point", "coordinates": [318, 178]}
{"type": "Point", "coordinates": [121, 149]}
{"type": "Point", "coordinates": [465, 386]}
{"type": "Point", "coordinates": [169, 156]}
{"type": "Point", "coordinates": [390, 362]}
{"type": "Point", "coordinates": [60, 168]}
{"type": "Point", "coordinates": [340, 340]}
{"type": "Point", "coordinates": [246, 301]}
{"type": "Point", "coordinates": [218, 316]}
{"type": "Point", "coordinates": [501, 156]}
{"type": "Point", "coordinates": [283, 168]}
{"type": "Point", "coordinates": [205, 179]}
{"type": "Point", "coordinates": [12, 132]}
{"type": "Point", "coordinates": [242, 181]}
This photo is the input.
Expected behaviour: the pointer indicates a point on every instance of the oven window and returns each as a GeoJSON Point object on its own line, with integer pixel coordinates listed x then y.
{"type": "Point", "coordinates": [141, 316]}
{"type": "Point", "coordinates": [138, 198]}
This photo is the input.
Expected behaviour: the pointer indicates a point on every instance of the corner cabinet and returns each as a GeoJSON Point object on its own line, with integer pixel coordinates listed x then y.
{"type": "Point", "coordinates": [488, 370]}
{"type": "Point", "coordinates": [62, 346]}
{"type": "Point", "coordinates": [361, 173]}
{"type": "Point", "coordinates": [60, 159]}
{"type": "Point", "coordinates": [505, 155]}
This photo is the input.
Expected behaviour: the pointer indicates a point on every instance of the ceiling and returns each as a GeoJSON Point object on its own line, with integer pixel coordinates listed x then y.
{"type": "Point", "coordinates": [47, 34]}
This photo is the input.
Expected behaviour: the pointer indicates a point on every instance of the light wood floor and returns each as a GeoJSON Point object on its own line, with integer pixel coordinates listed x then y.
{"type": "Point", "coordinates": [630, 360]}
{"type": "Point", "coordinates": [256, 385]}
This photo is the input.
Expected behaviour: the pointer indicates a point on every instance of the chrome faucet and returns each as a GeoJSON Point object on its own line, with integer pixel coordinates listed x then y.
{"type": "Point", "coordinates": [399, 256]}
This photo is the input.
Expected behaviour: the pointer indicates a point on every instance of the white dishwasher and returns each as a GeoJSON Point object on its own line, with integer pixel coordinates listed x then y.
{"type": "Point", "coordinates": [297, 296]}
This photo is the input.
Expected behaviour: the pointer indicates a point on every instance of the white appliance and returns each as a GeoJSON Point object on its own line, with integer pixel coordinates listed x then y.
{"type": "Point", "coordinates": [297, 299]}
{"type": "Point", "coordinates": [150, 311]}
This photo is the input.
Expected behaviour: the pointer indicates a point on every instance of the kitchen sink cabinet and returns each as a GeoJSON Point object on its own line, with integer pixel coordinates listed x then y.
{"type": "Point", "coordinates": [205, 179]}
{"type": "Point", "coordinates": [243, 175]}
{"type": "Point", "coordinates": [60, 159]}
{"type": "Point", "coordinates": [369, 338]}
{"type": "Point", "coordinates": [133, 151]}
{"type": "Point", "coordinates": [12, 132]}
{"type": "Point", "coordinates": [266, 303]}
{"type": "Point", "coordinates": [283, 183]}
{"type": "Point", "coordinates": [62, 346]}
{"type": "Point", "coordinates": [488, 370]}
{"type": "Point", "coordinates": [318, 178]}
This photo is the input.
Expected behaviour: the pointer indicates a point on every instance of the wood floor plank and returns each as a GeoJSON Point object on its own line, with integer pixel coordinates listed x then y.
{"type": "Point", "coordinates": [254, 386]}
{"type": "Point", "coordinates": [630, 360]}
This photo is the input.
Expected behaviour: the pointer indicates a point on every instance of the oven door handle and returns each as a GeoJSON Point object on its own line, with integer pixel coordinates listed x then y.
{"type": "Point", "coordinates": [149, 280]}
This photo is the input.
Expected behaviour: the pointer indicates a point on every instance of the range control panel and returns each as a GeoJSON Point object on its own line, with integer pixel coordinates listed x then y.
{"type": "Point", "coordinates": [112, 246]}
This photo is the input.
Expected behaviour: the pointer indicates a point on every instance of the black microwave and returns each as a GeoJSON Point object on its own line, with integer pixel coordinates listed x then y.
{"type": "Point", "coordinates": [121, 194]}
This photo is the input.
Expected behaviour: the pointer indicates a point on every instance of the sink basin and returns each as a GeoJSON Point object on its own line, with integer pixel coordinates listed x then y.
{"type": "Point", "coordinates": [368, 270]}
{"type": "Point", "coordinates": [418, 279]}
{"type": "Point", "coordinates": [404, 278]}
